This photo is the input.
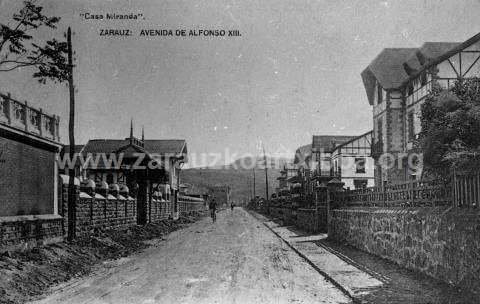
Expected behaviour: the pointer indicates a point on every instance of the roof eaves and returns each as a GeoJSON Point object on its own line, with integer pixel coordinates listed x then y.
{"type": "Point", "coordinates": [444, 56]}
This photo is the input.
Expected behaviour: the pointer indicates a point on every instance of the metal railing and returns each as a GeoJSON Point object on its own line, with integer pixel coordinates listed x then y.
{"type": "Point", "coordinates": [408, 194]}
{"type": "Point", "coordinates": [466, 190]}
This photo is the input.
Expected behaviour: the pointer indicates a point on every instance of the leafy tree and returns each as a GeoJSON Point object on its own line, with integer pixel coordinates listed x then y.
{"type": "Point", "coordinates": [18, 50]}
{"type": "Point", "coordinates": [450, 135]}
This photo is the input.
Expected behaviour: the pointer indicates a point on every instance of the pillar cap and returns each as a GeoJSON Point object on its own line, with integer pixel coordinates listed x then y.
{"type": "Point", "coordinates": [124, 188]}
{"type": "Point", "coordinates": [66, 179]}
{"type": "Point", "coordinates": [102, 185]}
{"type": "Point", "coordinates": [114, 187]}
{"type": "Point", "coordinates": [88, 183]}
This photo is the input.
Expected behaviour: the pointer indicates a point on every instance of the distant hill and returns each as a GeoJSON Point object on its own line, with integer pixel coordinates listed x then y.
{"type": "Point", "coordinates": [238, 176]}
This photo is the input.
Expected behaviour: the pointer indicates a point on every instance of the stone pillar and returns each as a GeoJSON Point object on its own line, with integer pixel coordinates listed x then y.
{"type": "Point", "coordinates": [102, 189]}
{"type": "Point", "coordinates": [114, 190]}
{"type": "Point", "coordinates": [88, 187]}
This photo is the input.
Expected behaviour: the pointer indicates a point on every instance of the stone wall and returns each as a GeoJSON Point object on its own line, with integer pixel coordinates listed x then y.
{"type": "Point", "coordinates": [160, 210]}
{"type": "Point", "coordinates": [21, 232]}
{"type": "Point", "coordinates": [311, 221]}
{"type": "Point", "coordinates": [276, 212]}
{"type": "Point", "coordinates": [95, 211]}
{"type": "Point", "coordinates": [440, 242]}
{"type": "Point", "coordinates": [301, 218]}
{"type": "Point", "coordinates": [189, 207]}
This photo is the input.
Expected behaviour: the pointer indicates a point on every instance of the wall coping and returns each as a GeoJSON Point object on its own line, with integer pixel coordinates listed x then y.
{"type": "Point", "coordinates": [99, 196]}
{"type": "Point", "coordinates": [23, 218]}
{"type": "Point", "coordinates": [84, 195]}
{"type": "Point", "coordinates": [66, 179]}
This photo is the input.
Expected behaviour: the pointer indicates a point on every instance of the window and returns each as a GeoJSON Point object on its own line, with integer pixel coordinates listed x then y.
{"type": "Point", "coordinates": [379, 94]}
{"type": "Point", "coordinates": [360, 165]}
{"type": "Point", "coordinates": [360, 183]}
{"type": "Point", "coordinates": [410, 124]}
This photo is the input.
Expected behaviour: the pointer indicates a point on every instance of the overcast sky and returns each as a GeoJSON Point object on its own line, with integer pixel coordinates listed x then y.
{"type": "Point", "coordinates": [293, 73]}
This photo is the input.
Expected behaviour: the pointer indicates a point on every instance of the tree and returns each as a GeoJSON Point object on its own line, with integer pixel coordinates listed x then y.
{"type": "Point", "coordinates": [53, 62]}
{"type": "Point", "coordinates": [16, 46]}
{"type": "Point", "coordinates": [450, 135]}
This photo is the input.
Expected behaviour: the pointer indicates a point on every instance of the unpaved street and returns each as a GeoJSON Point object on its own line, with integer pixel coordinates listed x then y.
{"type": "Point", "coordinates": [235, 260]}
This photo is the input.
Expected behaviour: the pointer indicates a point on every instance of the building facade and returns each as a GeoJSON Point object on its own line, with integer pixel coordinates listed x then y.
{"type": "Point", "coordinates": [397, 82]}
{"type": "Point", "coordinates": [352, 164]}
{"type": "Point", "coordinates": [29, 150]}
{"type": "Point", "coordinates": [147, 168]}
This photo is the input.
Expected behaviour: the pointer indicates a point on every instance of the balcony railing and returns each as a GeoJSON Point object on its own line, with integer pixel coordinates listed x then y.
{"type": "Point", "coordinates": [19, 115]}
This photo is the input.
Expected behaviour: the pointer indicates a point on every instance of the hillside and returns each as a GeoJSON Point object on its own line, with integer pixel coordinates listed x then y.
{"type": "Point", "coordinates": [240, 180]}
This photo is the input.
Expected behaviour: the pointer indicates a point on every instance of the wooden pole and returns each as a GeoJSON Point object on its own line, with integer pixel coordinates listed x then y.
{"type": "Point", "coordinates": [254, 194]}
{"type": "Point", "coordinates": [72, 197]}
{"type": "Point", "coordinates": [266, 175]}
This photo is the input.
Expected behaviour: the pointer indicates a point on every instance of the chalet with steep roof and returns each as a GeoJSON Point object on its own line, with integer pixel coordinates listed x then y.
{"type": "Point", "coordinates": [144, 166]}
{"type": "Point", "coordinates": [396, 83]}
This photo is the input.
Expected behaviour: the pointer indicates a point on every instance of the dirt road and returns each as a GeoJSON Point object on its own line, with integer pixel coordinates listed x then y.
{"type": "Point", "coordinates": [235, 260]}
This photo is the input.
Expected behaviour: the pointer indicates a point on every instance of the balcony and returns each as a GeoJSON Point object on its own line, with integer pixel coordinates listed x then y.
{"type": "Point", "coordinates": [19, 116]}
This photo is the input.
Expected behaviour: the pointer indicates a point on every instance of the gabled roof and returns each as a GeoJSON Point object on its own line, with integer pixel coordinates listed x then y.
{"type": "Point", "coordinates": [387, 68]}
{"type": "Point", "coordinates": [104, 145]}
{"type": "Point", "coordinates": [78, 148]}
{"type": "Point", "coordinates": [166, 146]}
{"type": "Point", "coordinates": [393, 68]}
{"type": "Point", "coordinates": [303, 155]}
{"type": "Point", "coordinates": [160, 146]}
{"type": "Point", "coordinates": [366, 134]}
{"type": "Point", "coordinates": [327, 143]}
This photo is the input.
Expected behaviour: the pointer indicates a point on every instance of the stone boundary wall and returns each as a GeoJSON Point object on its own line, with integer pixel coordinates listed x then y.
{"type": "Point", "coordinates": [160, 210]}
{"type": "Point", "coordinates": [95, 211]}
{"type": "Point", "coordinates": [276, 212]}
{"type": "Point", "coordinates": [305, 219]}
{"type": "Point", "coordinates": [27, 231]}
{"type": "Point", "coordinates": [301, 218]}
{"type": "Point", "coordinates": [441, 242]}
{"type": "Point", "coordinates": [189, 207]}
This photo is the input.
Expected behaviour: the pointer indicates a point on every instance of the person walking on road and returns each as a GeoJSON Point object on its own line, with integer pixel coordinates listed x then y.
{"type": "Point", "coordinates": [213, 209]}
{"type": "Point", "coordinates": [232, 205]}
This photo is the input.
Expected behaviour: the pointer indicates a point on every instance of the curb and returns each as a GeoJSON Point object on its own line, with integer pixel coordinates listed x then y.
{"type": "Point", "coordinates": [342, 288]}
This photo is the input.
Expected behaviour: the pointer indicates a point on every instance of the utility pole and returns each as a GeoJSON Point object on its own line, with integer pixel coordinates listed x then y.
{"type": "Point", "coordinates": [254, 194]}
{"type": "Point", "coordinates": [72, 196]}
{"type": "Point", "coordinates": [266, 173]}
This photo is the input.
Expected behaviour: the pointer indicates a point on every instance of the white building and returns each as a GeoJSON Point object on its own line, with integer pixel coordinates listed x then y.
{"type": "Point", "coordinates": [352, 164]}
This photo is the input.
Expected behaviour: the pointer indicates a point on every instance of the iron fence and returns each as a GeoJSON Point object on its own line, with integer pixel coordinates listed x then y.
{"type": "Point", "coordinates": [413, 193]}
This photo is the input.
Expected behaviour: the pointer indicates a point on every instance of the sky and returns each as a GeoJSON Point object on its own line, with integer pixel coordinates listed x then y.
{"type": "Point", "coordinates": [294, 72]}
